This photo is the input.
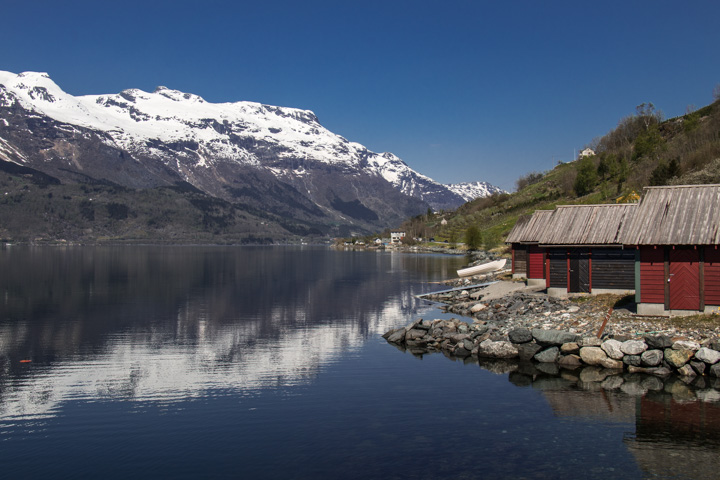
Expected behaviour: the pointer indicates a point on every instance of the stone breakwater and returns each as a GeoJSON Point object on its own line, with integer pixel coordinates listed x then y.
{"type": "Point", "coordinates": [658, 355]}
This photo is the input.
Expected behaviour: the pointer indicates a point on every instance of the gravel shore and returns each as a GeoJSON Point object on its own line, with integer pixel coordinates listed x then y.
{"type": "Point", "coordinates": [505, 305]}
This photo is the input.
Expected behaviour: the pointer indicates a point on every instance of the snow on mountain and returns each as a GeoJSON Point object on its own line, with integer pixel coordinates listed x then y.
{"type": "Point", "coordinates": [472, 190]}
{"type": "Point", "coordinates": [206, 144]}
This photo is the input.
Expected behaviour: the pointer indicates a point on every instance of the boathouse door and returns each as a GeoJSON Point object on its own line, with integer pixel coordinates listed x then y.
{"type": "Point", "coordinates": [684, 280]}
{"type": "Point", "coordinates": [579, 271]}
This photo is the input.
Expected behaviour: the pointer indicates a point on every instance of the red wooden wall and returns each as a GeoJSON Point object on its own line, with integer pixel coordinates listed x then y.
{"type": "Point", "coordinates": [712, 276]}
{"type": "Point", "coordinates": [652, 275]}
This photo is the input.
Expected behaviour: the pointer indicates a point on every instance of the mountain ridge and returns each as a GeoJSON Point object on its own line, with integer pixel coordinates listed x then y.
{"type": "Point", "coordinates": [278, 158]}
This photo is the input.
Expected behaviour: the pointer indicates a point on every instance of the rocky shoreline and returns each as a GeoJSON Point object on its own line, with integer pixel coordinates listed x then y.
{"type": "Point", "coordinates": [511, 321]}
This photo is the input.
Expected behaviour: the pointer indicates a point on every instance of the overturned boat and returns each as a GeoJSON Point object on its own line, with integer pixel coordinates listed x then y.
{"type": "Point", "coordinates": [480, 269]}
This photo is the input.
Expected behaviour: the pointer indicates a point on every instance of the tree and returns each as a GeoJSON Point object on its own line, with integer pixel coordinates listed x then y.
{"type": "Point", "coordinates": [472, 237]}
{"type": "Point", "coordinates": [665, 172]}
{"type": "Point", "coordinates": [716, 92]}
{"type": "Point", "coordinates": [647, 113]}
{"type": "Point", "coordinates": [586, 178]}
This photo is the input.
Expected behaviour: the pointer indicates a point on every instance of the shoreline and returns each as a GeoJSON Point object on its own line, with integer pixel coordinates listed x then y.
{"type": "Point", "coordinates": [510, 322]}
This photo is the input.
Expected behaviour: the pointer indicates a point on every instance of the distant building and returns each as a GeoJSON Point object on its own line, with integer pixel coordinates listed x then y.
{"type": "Point", "coordinates": [588, 152]}
{"type": "Point", "coordinates": [443, 222]}
{"type": "Point", "coordinates": [396, 237]}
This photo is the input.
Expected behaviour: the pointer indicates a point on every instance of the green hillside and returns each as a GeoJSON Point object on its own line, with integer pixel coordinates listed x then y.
{"type": "Point", "coordinates": [644, 149]}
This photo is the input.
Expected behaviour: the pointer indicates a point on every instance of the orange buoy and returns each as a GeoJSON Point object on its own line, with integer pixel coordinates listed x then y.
{"type": "Point", "coordinates": [25, 361]}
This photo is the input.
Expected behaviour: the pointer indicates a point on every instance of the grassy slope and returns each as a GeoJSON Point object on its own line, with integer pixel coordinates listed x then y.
{"type": "Point", "coordinates": [636, 158]}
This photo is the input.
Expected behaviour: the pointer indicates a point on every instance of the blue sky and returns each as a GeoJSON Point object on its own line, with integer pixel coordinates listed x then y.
{"type": "Point", "coordinates": [460, 90]}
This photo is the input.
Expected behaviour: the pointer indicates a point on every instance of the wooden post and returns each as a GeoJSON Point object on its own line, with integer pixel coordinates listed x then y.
{"type": "Point", "coordinates": [607, 318]}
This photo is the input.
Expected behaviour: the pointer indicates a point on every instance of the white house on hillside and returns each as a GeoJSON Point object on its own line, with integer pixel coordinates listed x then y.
{"type": "Point", "coordinates": [588, 152]}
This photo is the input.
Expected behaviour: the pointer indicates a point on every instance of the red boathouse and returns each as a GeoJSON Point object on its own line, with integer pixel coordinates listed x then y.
{"type": "Point", "coordinates": [676, 232]}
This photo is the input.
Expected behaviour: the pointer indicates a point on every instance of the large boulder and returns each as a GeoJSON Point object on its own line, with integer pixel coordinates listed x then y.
{"type": "Point", "coordinates": [659, 342]}
{"type": "Point", "coordinates": [633, 347]}
{"type": "Point", "coordinates": [397, 336]}
{"type": "Point", "coordinates": [549, 355]}
{"type": "Point", "coordinates": [708, 355]}
{"type": "Point", "coordinates": [553, 338]}
{"type": "Point", "coordinates": [613, 349]}
{"type": "Point", "coordinates": [593, 355]}
{"type": "Point", "coordinates": [651, 358]}
{"type": "Point", "coordinates": [686, 345]}
{"type": "Point", "coordinates": [526, 351]}
{"type": "Point", "coordinates": [520, 335]}
{"type": "Point", "coordinates": [677, 358]}
{"type": "Point", "coordinates": [500, 349]}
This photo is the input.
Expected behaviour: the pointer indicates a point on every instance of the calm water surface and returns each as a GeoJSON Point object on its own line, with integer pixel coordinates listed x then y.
{"type": "Point", "coordinates": [268, 362]}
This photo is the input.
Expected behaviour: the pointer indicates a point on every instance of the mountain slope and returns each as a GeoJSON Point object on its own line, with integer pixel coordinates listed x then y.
{"type": "Point", "coordinates": [276, 159]}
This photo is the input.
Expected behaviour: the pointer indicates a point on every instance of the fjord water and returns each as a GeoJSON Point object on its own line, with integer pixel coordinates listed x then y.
{"type": "Point", "coordinates": [268, 362]}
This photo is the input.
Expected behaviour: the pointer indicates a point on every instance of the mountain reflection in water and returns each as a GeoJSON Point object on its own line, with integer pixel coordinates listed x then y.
{"type": "Point", "coordinates": [154, 323]}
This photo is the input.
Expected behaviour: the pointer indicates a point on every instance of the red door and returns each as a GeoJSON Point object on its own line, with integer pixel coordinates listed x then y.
{"type": "Point", "coordinates": [684, 279]}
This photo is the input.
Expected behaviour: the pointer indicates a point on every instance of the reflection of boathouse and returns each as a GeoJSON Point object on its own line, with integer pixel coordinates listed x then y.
{"type": "Point", "coordinates": [676, 435]}
{"type": "Point", "coordinates": [677, 439]}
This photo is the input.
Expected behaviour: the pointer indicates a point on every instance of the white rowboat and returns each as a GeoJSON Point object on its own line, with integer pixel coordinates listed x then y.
{"type": "Point", "coordinates": [484, 268]}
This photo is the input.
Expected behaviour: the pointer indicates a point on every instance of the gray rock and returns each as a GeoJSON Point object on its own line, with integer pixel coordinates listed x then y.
{"type": "Point", "coordinates": [686, 345]}
{"type": "Point", "coordinates": [592, 355]}
{"type": "Point", "coordinates": [500, 349]}
{"type": "Point", "coordinates": [698, 366]}
{"type": "Point", "coordinates": [468, 344]}
{"type": "Point", "coordinates": [677, 358]}
{"type": "Point", "coordinates": [549, 355]}
{"type": "Point", "coordinates": [520, 335]}
{"type": "Point", "coordinates": [526, 351]}
{"type": "Point", "coordinates": [397, 337]}
{"type": "Point", "coordinates": [456, 337]}
{"type": "Point", "coordinates": [651, 358]}
{"type": "Point", "coordinates": [633, 347]}
{"type": "Point", "coordinates": [633, 360]}
{"type": "Point", "coordinates": [553, 338]}
{"type": "Point", "coordinates": [612, 349]}
{"type": "Point", "coordinates": [415, 334]}
{"type": "Point", "coordinates": [715, 370]}
{"type": "Point", "coordinates": [708, 356]}
{"type": "Point", "coordinates": [659, 342]}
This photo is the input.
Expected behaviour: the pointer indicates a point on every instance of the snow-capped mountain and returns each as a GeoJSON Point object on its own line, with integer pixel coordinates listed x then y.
{"type": "Point", "coordinates": [275, 159]}
{"type": "Point", "coordinates": [472, 190]}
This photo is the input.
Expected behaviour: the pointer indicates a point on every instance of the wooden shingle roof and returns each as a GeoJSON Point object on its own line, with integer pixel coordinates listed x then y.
{"type": "Point", "coordinates": [676, 215]}
{"type": "Point", "coordinates": [528, 227]}
{"type": "Point", "coordinates": [586, 224]}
